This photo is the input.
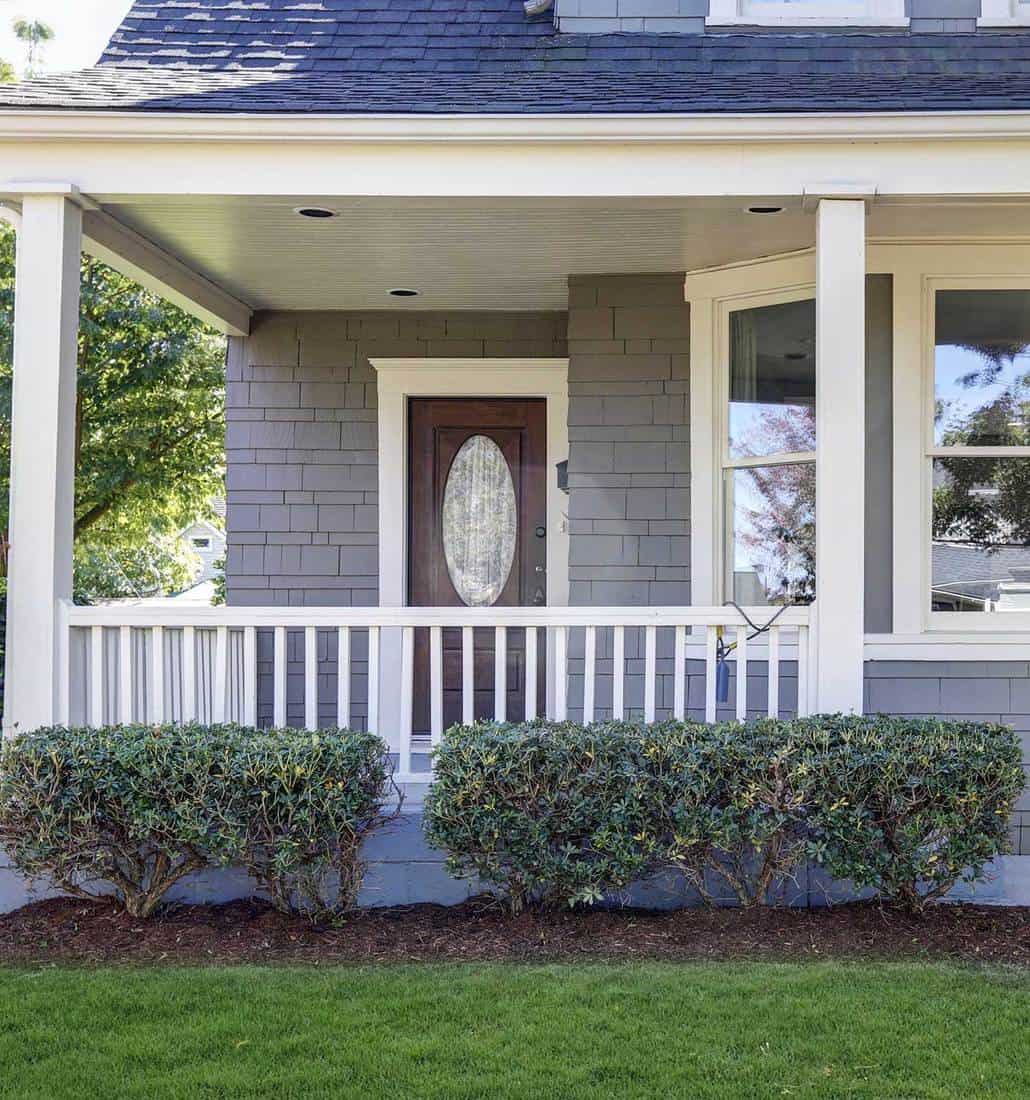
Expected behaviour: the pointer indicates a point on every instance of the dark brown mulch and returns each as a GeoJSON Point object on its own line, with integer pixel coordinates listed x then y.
{"type": "Point", "coordinates": [69, 931]}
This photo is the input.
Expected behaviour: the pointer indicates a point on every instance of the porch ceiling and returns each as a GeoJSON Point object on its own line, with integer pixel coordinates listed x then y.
{"type": "Point", "coordinates": [490, 254]}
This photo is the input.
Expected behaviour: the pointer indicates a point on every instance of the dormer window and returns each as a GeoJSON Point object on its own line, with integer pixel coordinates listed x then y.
{"type": "Point", "coordinates": [1004, 13]}
{"type": "Point", "coordinates": [807, 13]}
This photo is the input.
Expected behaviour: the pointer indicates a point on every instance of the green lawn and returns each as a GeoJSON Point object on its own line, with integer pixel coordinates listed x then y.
{"type": "Point", "coordinates": [598, 1031]}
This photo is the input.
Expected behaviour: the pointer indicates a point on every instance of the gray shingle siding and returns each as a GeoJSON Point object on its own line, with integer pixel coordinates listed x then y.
{"type": "Point", "coordinates": [629, 445]}
{"type": "Point", "coordinates": [301, 442]}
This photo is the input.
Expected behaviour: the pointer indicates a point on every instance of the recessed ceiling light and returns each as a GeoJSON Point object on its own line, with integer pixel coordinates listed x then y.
{"type": "Point", "coordinates": [765, 209]}
{"type": "Point", "coordinates": [403, 292]}
{"type": "Point", "coordinates": [314, 212]}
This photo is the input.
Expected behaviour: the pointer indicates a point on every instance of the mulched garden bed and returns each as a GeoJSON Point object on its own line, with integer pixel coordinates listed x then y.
{"type": "Point", "coordinates": [67, 930]}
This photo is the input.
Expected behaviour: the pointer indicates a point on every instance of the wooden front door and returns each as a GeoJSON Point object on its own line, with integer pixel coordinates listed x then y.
{"type": "Point", "coordinates": [477, 535]}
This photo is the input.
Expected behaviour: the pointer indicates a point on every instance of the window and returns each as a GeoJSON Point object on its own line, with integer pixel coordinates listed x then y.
{"type": "Point", "coordinates": [202, 544]}
{"type": "Point", "coordinates": [978, 456]}
{"type": "Point", "coordinates": [768, 453]}
{"type": "Point", "coordinates": [1004, 13]}
{"type": "Point", "coordinates": [881, 13]}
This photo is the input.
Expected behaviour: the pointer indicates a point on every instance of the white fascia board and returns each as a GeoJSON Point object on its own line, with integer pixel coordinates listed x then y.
{"type": "Point", "coordinates": [79, 125]}
{"type": "Point", "coordinates": [152, 267]}
{"type": "Point", "coordinates": [906, 155]}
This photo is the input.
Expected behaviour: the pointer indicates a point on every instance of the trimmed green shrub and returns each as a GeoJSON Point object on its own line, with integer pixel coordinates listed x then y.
{"type": "Point", "coordinates": [133, 806]}
{"type": "Point", "coordinates": [140, 807]}
{"type": "Point", "coordinates": [739, 817]}
{"type": "Point", "coordinates": [566, 813]}
{"type": "Point", "coordinates": [910, 807]}
{"type": "Point", "coordinates": [307, 801]}
{"type": "Point", "coordinates": [548, 812]}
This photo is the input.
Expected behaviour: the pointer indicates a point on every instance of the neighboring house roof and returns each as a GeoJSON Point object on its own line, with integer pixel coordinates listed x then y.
{"type": "Point", "coordinates": [487, 56]}
{"type": "Point", "coordinates": [972, 570]}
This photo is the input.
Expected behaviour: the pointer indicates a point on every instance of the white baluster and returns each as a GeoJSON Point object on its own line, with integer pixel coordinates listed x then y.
{"type": "Point", "coordinates": [157, 674]}
{"type": "Point", "coordinates": [407, 696]}
{"type": "Point", "coordinates": [125, 675]}
{"type": "Point", "coordinates": [96, 676]}
{"type": "Point", "coordinates": [373, 679]}
{"type": "Point", "coordinates": [189, 674]}
{"type": "Point", "coordinates": [468, 672]}
{"type": "Point", "coordinates": [218, 680]}
{"type": "Point", "coordinates": [650, 672]}
{"type": "Point", "coordinates": [561, 662]}
{"type": "Point", "coordinates": [279, 679]}
{"type": "Point", "coordinates": [343, 677]}
{"type": "Point", "coordinates": [804, 665]}
{"type": "Point", "coordinates": [619, 673]}
{"type": "Point", "coordinates": [589, 660]}
{"type": "Point", "coordinates": [679, 704]}
{"type": "Point", "coordinates": [531, 668]}
{"type": "Point", "coordinates": [250, 686]}
{"type": "Point", "coordinates": [774, 672]}
{"type": "Point", "coordinates": [435, 684]}
{"type": "Point", "coordinates": [741, 673]}
{"type": "Point", "coordinates": [311, 677]}
{"type": "Point", "coordinates": [711, 672]}
{"type": "Point", "coordinates": [500, 674]}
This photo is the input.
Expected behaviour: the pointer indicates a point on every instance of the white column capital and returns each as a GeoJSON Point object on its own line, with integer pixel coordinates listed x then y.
{"type": "Point", "coordinates": [840, 453]}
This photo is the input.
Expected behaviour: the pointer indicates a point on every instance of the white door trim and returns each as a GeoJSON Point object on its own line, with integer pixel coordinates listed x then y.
{"type": "Point", "coordinates": [399, 379]}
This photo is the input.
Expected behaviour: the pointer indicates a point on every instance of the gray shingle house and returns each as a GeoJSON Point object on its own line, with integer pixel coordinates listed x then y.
{"type": "Point", "coordinates": [566, 341]}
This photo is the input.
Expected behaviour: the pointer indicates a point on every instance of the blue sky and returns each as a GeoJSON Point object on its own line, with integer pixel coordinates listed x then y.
{"type": "Point", "coordinates": [82, 28]}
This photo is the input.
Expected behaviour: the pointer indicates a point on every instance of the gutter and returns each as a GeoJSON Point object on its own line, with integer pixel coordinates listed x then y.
{"type": "Point", "coordinates": [24, 125]}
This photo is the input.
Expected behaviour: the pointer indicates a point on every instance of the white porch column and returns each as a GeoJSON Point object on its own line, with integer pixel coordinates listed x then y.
{"type": "Point", "coordinates": [46, 322]}
{"type": "Point", "coordinates": [840, 453]}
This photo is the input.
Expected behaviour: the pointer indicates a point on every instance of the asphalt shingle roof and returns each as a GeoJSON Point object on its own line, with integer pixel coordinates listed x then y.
{"type": "Point", "coordinates": [486, 56]}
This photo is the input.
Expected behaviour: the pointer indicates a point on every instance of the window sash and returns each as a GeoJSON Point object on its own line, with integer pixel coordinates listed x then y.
{"type": "Point", "coordinates": [958, 621]}
{"type": "Point", "coordinates": [726, 460]}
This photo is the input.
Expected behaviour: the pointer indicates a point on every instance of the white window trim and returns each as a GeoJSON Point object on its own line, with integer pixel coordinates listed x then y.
{"type": "Point", "coordinates": [1003, 13]}
{"type": "Point", "coordinates": [918, 270]}
{"type": "Point", "coordinates": [913, 265]}
{"type": "Point", "coordinates": [954, 620]}
{"type": "Point", "coordinates": [713, 295]}
{"type": "Point", "coordinates": [878, 13]}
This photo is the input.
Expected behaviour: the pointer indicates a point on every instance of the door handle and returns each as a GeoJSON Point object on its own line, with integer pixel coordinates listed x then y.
{"type": "Point", "coordinates": [540, 569]}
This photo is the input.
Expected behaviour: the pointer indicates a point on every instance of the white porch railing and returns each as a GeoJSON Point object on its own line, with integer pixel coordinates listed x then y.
{"type": "Point", "coordinates": [355, 665]}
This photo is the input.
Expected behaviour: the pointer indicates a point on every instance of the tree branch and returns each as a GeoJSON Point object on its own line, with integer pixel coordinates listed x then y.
{"type": "Point", "coordinates": [126, 482]}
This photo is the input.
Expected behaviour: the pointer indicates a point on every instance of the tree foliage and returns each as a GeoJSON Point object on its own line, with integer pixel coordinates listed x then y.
{"type": "Point", "coordinates": [34, 33]}
{"type": "Point", "coordinates": [779, 526]}
{"type": "Point", "coordinates": [149, 430]}
{"type": "Point", "coordinates": [979, 500]}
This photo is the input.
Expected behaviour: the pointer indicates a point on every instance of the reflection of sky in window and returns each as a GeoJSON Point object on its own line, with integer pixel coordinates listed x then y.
{"type": "Point", "coordinates": [752, 553]}
{"type": "Point", "coordinates": [951, 365]}
{"type": "Point", "coordinates": [746, 499]}
{"type": "Point", "coordinates": [751, 433]}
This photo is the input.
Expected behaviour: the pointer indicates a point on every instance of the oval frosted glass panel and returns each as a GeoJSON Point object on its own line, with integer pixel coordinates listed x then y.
{"type": "Point", "coordinates": [479, 521]}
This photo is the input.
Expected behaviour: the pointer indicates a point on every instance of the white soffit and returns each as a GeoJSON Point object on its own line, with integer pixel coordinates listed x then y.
{"type": "Point", "coordinates": [489, 253]}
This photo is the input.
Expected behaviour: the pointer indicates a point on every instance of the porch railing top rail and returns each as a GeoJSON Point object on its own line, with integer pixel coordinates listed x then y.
{"type": "Point", "coordinates": [177, 615]}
